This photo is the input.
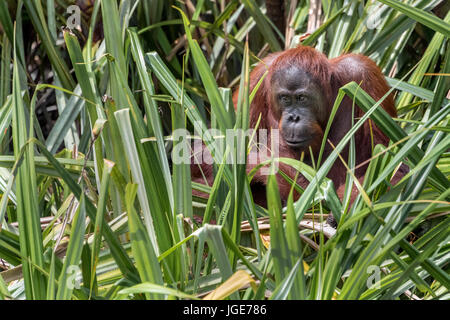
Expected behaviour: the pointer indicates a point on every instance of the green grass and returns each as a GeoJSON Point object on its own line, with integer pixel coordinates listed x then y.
{"type": "Point", "coordinates": [92, 206]}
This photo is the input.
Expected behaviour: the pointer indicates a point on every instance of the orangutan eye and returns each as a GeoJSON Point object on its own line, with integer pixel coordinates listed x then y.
{"type": "Point", "coordinates": [301, 98]}
{"type": "Point", "coordinates": [284, 99]}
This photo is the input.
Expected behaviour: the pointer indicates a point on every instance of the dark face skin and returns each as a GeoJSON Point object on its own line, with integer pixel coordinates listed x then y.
{"type": "Point", "coordinates": [298, 100]}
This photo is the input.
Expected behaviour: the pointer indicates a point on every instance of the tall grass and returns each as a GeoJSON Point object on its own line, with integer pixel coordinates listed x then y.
{"type": "Point", "coordinates": [92, 206]}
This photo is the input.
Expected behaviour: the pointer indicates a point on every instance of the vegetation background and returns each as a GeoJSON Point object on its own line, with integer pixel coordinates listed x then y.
{"type": "Point", "coordinates": [91, 206]}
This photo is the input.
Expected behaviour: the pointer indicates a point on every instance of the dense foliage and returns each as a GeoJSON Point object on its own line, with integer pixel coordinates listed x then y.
{"type": "Point", "coordinates": [92, 207]}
